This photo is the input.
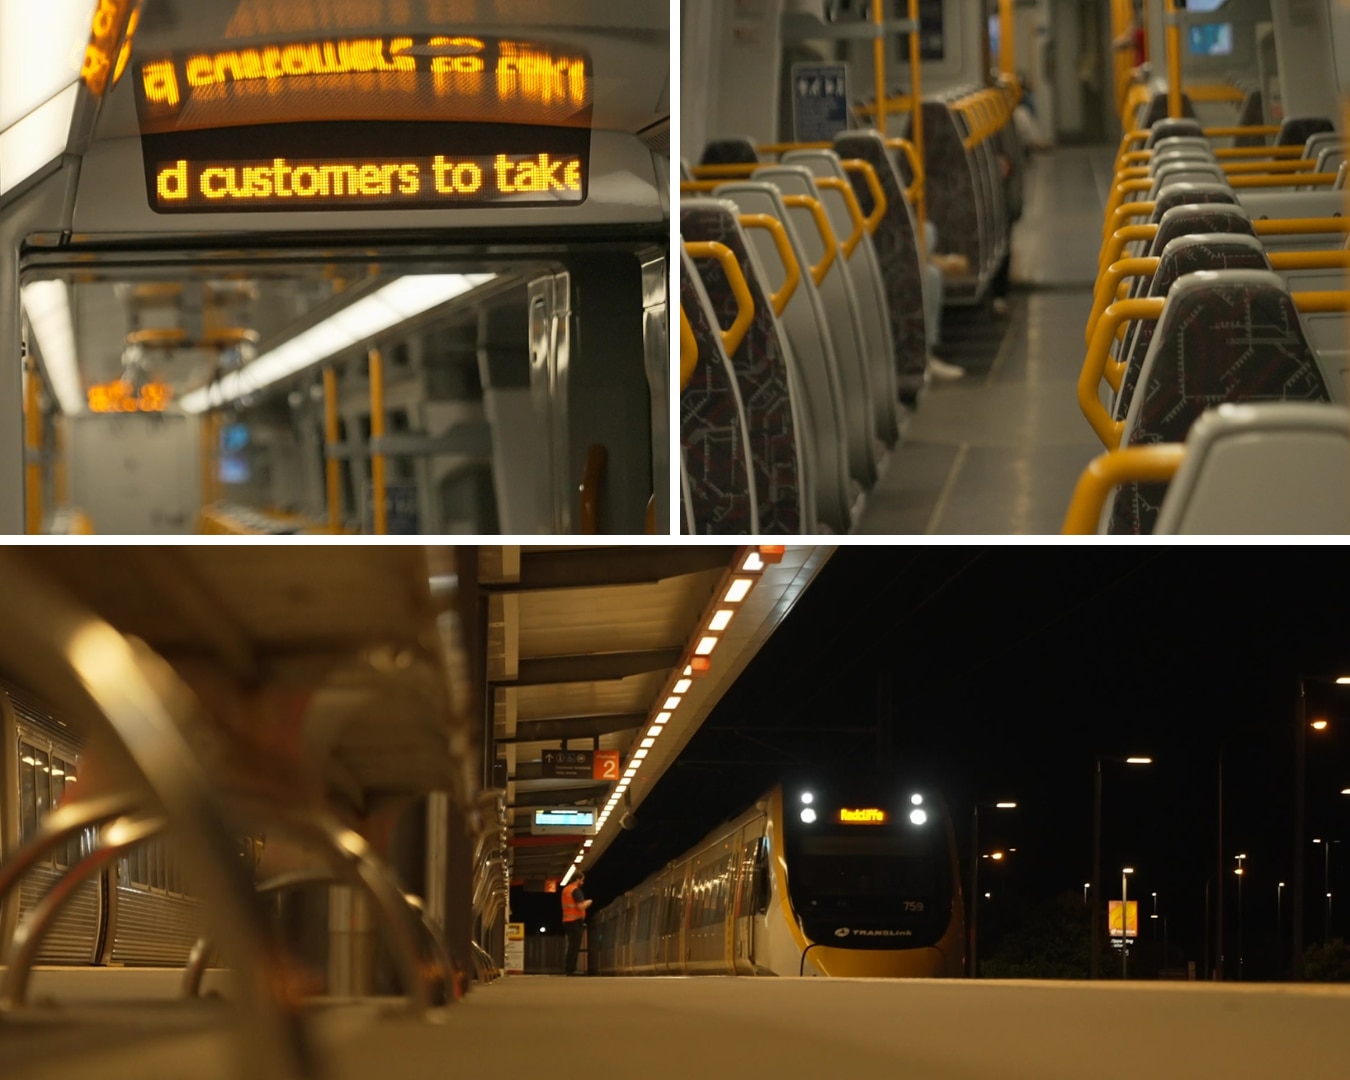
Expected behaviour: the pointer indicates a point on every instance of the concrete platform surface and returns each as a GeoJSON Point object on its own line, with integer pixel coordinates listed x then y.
{"type": "Point", "coordinates": [781, 1028]}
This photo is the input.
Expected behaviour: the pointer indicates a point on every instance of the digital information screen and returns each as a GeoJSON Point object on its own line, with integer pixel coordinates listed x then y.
{"type": "Point", "coordinates": [382, 123]}
{"type": "Point", "coordinates": [562, 819]}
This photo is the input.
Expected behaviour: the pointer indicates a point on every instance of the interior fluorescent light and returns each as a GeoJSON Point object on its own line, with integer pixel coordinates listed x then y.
{"type": "Point", "coordinates": [41, 52]}
{"type": "Point", "coordinates": [682, 686]}
{"type": "Point", "coordinates": [395, 303]}
{"type": "Point", "coordinates": [39, 138]}
{"type": "Point", "coordinates": [720, 619]}
{"type": "Point", "coordinates": [653, 731]}
{"type": "Point", "coordinates": [688, 669]}
{"type": "Point", "coordinates": [48, 307]}
{"type": "Point", "coordinates": [705, 645]}
{"type": "Point", "coordinates": [752, 562]}
{"type": "Point", "coordinates": [661, 718]}
{"type": "Point", "coordinates": [639, 754]}
{"type": "Point", "coordinates": [588, 843]}
{"type": "Point", "coordinates": [739, 587]}
{"type": "Point", "coordinates": [671, 703]}
{"type": "Point", "coordinates": [649, 741]}
{"type": "Point", "coordinates": [631, 773]}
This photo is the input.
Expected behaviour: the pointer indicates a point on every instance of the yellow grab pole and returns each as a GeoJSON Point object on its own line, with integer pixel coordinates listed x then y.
{"type": "Point", "coordinates": [1007, 52]}
{"type": "Point", "coordinates": [916, 128]}
{"type": "Point", "coordinates": [879, 64]}
{"type": "Point", "coordinates": [32, 442]}
{"type": "Point", "coordinates": [204, 426]}
{"type": "Point", "coordinates": [377, 432]}
{"type": "Point", "coordinates": [332, 467]}
{"type": "Point", "coordinates": [1174, 109]}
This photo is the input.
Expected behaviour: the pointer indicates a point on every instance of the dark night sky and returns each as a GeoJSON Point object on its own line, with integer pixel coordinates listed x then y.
{"type": "Point", "coordinates": [1001, 672]}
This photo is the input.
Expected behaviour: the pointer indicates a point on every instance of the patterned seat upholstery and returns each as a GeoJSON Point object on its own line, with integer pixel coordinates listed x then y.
{"type": "Point", "coordinates": [760, 364]}
{"type": "Point", "coordinates": [1213, 211]}
{"type": "Point", "coordinates": [1187, 255]}
{"type": "Point", "coordinates": [1296, 130]}
{"type": "Point", "coordinates": [1233, 336]}
{"type": "Point", "coordinates": [1191, 195]}
{"type": "Point", "coordinates": [734, 151]}
{"type": "Point", "coordinates": [714, 455]}
{"type": "Point", "coordinates": [896, 244]}
{"type": "Point", "coordinates": [1167, 128]}
{"type": "Point", "coordinates": [955, 205]}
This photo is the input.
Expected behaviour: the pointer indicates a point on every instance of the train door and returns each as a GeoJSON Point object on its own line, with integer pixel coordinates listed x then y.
{"type": "Point", "coordinates": [136, 474]}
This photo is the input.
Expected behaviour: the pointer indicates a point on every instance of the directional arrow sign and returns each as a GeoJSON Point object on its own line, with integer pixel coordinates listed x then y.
{"type": "Point", "coordinates": [567, 764]}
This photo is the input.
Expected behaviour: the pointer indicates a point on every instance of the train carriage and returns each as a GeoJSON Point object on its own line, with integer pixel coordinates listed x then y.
{"type": "Point", "coordinates": [820, 877]}
{"type": "Point", "coordinates": [280, 267]}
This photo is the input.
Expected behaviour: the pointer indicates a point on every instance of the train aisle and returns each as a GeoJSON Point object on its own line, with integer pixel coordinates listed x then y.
{"type": "Point", "coordinates": [1001, 450]}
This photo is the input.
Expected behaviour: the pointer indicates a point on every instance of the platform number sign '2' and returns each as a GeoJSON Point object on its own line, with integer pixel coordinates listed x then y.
{"type": "Point", "coordinates": [606, 765]}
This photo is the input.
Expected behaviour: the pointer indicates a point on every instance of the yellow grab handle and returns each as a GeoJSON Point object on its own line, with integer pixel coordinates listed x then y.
{"type": "Point", "coordinates": [1143, 464]}
{"type": "Point", "coordinates": [821, 268]}
{"type": "Point", "coordinates": [869, 174]}
{"type": "Point", "coordinates": [784, 247]}
{"type": "Point", "coordinates": [1116, 242]}
{"type": "Point", "coordinates": [1110, 281]}
{"type": "Point", "coordinates": [1094, 365]}
{"type": "Point", "coordinates": [745, 305]}
{"type": "Point", "coordinates": [832, 183]}
{"type": "Point", "coordinates": [688, 350]}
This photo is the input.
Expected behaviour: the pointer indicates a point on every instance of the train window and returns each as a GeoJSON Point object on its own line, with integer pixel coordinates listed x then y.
{"type": "Point", "coordinates": [42, 771]}
{"type": "Point", "coordinates": [761, 876]}
{"type": "Point", "coordinates": [28, 791]}
{"type": "Point", "coordinates": [645, 919]}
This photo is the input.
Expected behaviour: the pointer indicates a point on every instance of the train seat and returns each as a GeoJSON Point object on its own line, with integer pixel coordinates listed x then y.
{"type": "Point", "coordinates": [761, 363]}
{"type": "Point", "coordinates": [1296, 130]}
{"type": "Point", "coordinates": [1167, 128]}
{"type": "Point", "coordinates": [716, 483]}
{"type": "Point", "coordinates": [898, 256]}
{"type": "Point", "coordinates": [1204, 353]}
{"type": "Point", "coordinates": [1271, 468]}
{"type": "Point", "coordinates": [843, 319]}
{"type": "Point", "coordinates": [868, 285]}
{"type": "Point", "coordinates": [1181, 256]}
{"type": "Point", "coordinates": [733, 150]}
{"type": "Point", "coordinates": [822, 403]}
{"type": "Point", "coordinates": [1157, 109]}
{"type": "Point", "coordinates": [955, 205]}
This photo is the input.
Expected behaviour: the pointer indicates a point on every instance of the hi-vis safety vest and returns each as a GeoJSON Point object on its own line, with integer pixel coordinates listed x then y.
{"type": "Point", "coordinates": [572, 909]}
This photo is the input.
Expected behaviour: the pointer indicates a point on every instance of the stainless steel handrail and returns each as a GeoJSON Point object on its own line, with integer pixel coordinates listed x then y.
{"type": "Point", "coordinates": [109, 684]}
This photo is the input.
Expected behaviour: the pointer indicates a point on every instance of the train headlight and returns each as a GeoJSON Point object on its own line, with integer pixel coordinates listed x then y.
{"type": "Point", "coordinates": [808, 815]}
{"type": "Point", "coordinates": [918, 816]}
{"type": "Point", "coordinates": [917, 800]}
{"type": "Point", "coordinates": [808, 798]}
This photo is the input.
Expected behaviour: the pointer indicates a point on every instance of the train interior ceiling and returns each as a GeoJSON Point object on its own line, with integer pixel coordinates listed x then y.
{"type": "Point", "coordinates": [279, 276]}
{"type": "Point", "coordinates": [903, 253]}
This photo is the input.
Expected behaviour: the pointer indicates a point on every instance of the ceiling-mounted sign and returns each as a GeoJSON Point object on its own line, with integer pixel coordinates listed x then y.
{"type": "Point", "coordinates": [606, 765]}
{"type": "Point", "coordinates": [567, 764]}
{"type": "Point", "coordinates": [573, 820]}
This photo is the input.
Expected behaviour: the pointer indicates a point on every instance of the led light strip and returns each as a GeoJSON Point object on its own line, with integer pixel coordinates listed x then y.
{"type": "Point", "coordinates": [48, 306]}
{"type": "Point", "coordinates": [730, 597]}
{"type": "Point", "coordinates": [395, 303]}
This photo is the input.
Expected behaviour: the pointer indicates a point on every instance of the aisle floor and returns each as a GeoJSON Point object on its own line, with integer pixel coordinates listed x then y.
{"type": "Point", "coordinates": [999, 451]}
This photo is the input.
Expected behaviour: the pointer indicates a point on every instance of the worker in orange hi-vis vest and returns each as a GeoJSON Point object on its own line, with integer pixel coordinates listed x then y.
{"type": "Point", "coordinates": [574, 905]}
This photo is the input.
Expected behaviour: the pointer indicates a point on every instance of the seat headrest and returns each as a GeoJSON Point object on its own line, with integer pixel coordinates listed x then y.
{"type": "Point", "coordinates": [739, 150]}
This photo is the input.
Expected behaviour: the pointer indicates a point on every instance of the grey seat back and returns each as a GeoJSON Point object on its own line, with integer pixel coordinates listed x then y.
{"type": "Point", "coordinates": [822, 406]}
{"type": "Point", "coordinates": [843, 321]}
{"type": "Point", "coordinates": [1281, 468]}
{"type": "Point", "coordinates": [879, 348]}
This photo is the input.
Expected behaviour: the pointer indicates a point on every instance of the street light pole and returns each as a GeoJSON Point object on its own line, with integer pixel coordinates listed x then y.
{"type": "Point", "coordinates": [1097, 854]}
{"type": "Point", "coordinates": [975, 881]}
{"type": "Point", "coordinates": [1240, 871]}
{"type": "Point", "coordinates": [1279, 920]}
{"type": "Point", "coordinates": [1124, 922]}
{"type": "Point", "coordinates": [1300, 745]}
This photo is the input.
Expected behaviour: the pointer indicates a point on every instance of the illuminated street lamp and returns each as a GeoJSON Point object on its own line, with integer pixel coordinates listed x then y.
{"type": "Point", "coordinates": [1006, 804]}
{"type": "Point", "coordinates": [1097, 849]}
{"type": "Point", "coordinates": [1326, 884]}
{"type": "Point", "coordinates": [1279, 922]}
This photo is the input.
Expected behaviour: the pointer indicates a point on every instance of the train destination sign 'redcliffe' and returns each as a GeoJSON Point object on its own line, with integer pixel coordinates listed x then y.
{"type": "Point", "coordinates": [444, 122]}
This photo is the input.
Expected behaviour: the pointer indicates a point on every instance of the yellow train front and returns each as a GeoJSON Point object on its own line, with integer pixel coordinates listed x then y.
{"type": "Point", "coordinates": [819, 877]}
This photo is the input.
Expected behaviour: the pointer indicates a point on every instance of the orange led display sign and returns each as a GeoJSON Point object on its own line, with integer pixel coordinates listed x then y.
{"type": "Point", "coordinates": [408, 122]}
{"type": "Point", "coordinates": [119, 397]}
{"type": "Point", "coordinates": [865, 815]}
